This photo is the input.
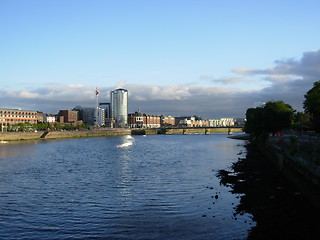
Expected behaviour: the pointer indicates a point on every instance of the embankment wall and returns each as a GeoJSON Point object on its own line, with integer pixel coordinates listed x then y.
{"type": "Point", "coordinates": [199, 130]}
{"type": "Point", "coordinates": [16, 136]}
{"type": "Point", "coordinates": [304, 174]}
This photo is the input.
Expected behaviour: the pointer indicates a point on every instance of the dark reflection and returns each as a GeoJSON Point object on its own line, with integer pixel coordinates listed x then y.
{"type": "Point", "coordinates": [280, 210]}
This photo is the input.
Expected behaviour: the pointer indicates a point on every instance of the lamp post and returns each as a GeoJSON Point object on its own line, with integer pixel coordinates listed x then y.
{"type": "Point", "coordinates": [1, 125]}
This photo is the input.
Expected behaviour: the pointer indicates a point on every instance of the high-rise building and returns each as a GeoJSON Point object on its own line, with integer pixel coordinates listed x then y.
{"type": "Point", "coordinates": [119, 107]}
{"type": "Point", "coordinates": [106, 107]}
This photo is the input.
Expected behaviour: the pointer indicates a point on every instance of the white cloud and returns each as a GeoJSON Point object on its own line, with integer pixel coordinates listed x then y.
{"type": "Point", "coordinates": [288, 80]}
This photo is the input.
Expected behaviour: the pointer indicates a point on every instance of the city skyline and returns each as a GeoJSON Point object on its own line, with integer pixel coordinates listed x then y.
{"type": "Point", "coordinates": [207, 58]}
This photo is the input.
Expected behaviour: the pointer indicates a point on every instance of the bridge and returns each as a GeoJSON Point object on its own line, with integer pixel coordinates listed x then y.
{"type": "Point", "coordinates": [187, 130]}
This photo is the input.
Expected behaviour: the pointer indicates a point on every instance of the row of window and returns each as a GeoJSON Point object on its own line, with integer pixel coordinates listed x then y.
{"type": "Point", "coordinates": [17, 113]}
{"type": "Point", "coordinates": [16, 120]}
{"type": "Point", "coordinates": [20, 116]}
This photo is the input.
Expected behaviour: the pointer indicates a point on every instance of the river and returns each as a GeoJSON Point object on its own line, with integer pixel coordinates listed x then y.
{"type": "Point", "coordinates": [124, 187]}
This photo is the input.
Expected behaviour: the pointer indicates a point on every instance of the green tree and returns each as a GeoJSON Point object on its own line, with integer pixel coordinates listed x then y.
{"type": "Point", "coordinates": [22, 126]}
{"type": "Point", "coordinates": [255, 121]}
{"type": "Point", "coordinates": [301, 121]}
{"type": "Point", "coordinates": [311, 105]}
{"type": "Point", "coordinates": [277, 116]}
{"type": "Point", "coordinates": [273, 117]}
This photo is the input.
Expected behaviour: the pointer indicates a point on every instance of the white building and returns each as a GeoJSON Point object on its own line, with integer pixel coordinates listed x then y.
{"type": "Point", "coordinates": [49, 118]}
{"type": "Point", "coordinates": [221, 122]}
{"type": "Point", "coordinates": [100, 119]}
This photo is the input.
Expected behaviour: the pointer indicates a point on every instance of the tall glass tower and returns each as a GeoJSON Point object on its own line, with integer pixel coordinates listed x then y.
{"type": "Point", "coordinates": [119, 107]}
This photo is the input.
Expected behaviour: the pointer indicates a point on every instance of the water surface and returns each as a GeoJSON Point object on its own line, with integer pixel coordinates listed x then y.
{"type": "Point", "coordinates": [126, 187]}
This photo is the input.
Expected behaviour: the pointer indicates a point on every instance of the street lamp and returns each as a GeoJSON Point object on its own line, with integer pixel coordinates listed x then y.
{"type": "Point", "coordinates": [1, 124]}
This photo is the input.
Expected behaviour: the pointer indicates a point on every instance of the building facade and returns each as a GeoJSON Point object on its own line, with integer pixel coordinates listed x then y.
{"type": "Point", "coordinates": [119, 107]}
{"type": "Point", "coordinates": [16, 116]}
{"type": "Point", "coordinates": [143, 120]}
{"type": "Point", "coordinates": [167, 121]}
{"type": "Point", "coordinates": [107, 109]}
{"type": "Point", "coordinates": [68, 116]}
{"type": "Point", "coordinates": [49, 118]}
{"type": "Point", "coordinates": [221, 122]}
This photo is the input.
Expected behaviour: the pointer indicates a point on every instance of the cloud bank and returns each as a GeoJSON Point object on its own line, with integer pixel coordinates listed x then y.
{"type": "Point", "coordinates": [288, 80]}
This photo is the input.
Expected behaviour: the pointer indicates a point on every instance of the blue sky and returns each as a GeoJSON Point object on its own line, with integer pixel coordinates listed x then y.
{"type": "Point", "coordinates": [204, 57]}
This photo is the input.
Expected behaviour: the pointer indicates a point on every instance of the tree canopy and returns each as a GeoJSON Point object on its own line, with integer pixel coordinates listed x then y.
{"type": "Point", "coordinates": [271, 118]}
{"type": "Point", "coordinates": [311, 105]}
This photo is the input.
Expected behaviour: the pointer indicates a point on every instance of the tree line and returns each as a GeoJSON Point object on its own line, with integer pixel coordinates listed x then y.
{"type": "Point", "coordinates": [275, 116]}
{"type": "Point", "coordinates": [28, 127]}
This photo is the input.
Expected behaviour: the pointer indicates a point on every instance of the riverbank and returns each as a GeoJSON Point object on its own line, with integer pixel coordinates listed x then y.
{"type": "Point", "coordinates": [104, 132]}
{"type": "Point", "coordinates": [300, 169]}
{"type": "Point", "coordinates": [279, 207]}
{"type": "Point", "coordinates": [20, 136]}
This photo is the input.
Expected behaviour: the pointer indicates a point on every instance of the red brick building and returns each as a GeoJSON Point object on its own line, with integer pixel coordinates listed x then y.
{"type": "Point", "coordinates": [68, 116]}
{"type": "Point", "coordinates": [143, 120]}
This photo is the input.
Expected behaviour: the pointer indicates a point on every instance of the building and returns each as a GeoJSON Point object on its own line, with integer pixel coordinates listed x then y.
{"type": "Point", "coordinates": [221, 122]}
{"type": "Point", "coordinates": [107, 113]}
{"type": "Point", "coordinates": [91, 116]}
{"type": "Point", "coordinates": [136, 120]}
{"type": "Point", "coordinates": [49, 118]}
{"type": "Point", "coordinates": [68, 116]}
{"type": "Point", "coordinates": [86, 114]}
{"type": "Point", "coordinates": [107, 108]}
{"type": "Point", "coordinates": [240, 122]}
{"type": "Point", "coordinates": [100, 116]}
{"type": "Point", "coordinates": [16, 116]}
{"type": "Point", "coordinates": [119, 107]}
{"type": "Point", "coordinates": [184, 121]}
{"type": "Point", "coordinates": [143, 120]}
{"type": "Point", "coordinates": [152, 121]}
{"type": "Point", "coordinates": [40, 117]}
{"type": "Point", "coordinates": [167, 121]}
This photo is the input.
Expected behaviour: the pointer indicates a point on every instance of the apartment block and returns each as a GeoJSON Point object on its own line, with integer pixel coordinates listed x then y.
{"type": "Point", "coordinates": [16, 116]}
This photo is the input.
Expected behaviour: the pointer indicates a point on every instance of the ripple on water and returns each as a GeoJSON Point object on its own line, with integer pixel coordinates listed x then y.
{"type": "Point", "coordinates": [128, 187]}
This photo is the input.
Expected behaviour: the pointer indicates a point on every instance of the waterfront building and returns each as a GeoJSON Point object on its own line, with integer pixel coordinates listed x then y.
{"type": "Point", "coordinates": [119, 107]}
{"type": "Point", "coordinates": [143, 120]}
{"type": "Point", "coordinates": [91, 116]}
{"type": "Point", "coordinates": [221, 122]}
{"type": "Point", "coordinates": [240, 122]}
{"type": "Point", "coordinates": [152, 121]}
{"type": "Point", "coordinates": [49, 118]}
{"type": "Point", "coordinates": [16, 116]}
{"type": "Point", "coordinates": [100, 116]}
{"type": "Point", "coordinates": [136, 120]}
{"type": "Point", "coordinates": [68, 116]}
{"type": "Point", "coordinates": [46, 117]}
{"type": "Point", "coordinates": [107, 113]}
{"type": "Point", "coordinates": [106, 106]}
{"type": "Point", "coordinates": [86, 114]}
{"type": "Point", "coordinates": [184, 121]}
{"type": "Point", "coordinates": [40, 117]}
{"type": "Point", "coordinates": [167, 121]}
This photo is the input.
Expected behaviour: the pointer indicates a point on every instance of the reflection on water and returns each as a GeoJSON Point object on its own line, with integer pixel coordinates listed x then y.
{"type": "Point", "coordinates": [128, 187]}
{"type": "Point", "coordinates": [127, 141]}
{"type": "Point", "coordinates": [8, 149]}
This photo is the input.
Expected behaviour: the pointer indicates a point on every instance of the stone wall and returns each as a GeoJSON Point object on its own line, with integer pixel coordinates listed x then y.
{"type": "Point", "coordinates": [300, 171]}
{"type": "Point", "coordinates": [16, 136]}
